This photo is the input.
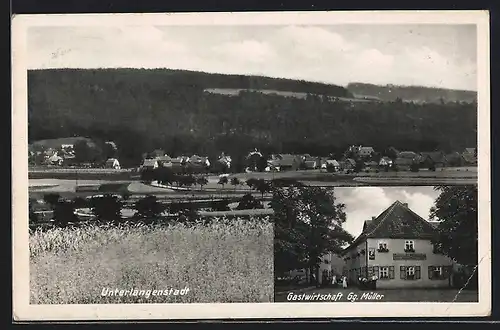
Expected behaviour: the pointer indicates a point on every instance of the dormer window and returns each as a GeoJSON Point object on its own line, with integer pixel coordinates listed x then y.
{"type": "Point", "coordinates": [382, 247]}
{"type": "Point", "coordinates": [409, 246]}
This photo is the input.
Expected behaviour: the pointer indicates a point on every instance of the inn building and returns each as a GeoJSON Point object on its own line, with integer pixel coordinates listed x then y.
{"type": "Point", "coordinates": [396, 247]}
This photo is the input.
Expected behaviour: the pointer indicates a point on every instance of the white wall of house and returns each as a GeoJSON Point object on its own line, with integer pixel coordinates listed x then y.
{"type": "Point", "coordinates": [355, 262]}
{"type": "Point", "coordinates": [386, 259]}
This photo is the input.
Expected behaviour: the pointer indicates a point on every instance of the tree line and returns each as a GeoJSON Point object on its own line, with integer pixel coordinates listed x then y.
{"type": "Point", "coordinates": [143, 110]}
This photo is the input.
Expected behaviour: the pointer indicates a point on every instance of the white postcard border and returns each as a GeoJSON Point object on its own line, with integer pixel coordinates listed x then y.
{"type": "Point", "coordinates": [23, 311]}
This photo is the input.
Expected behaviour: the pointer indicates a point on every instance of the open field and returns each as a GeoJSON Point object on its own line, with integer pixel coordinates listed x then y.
{"type": "Point", "coordinates": [221, 262]}
{"type": "Point", "coordinates": [394, 295]}
{"type": "Point", "coordinates": [73, 187]}
{"type": "Point", "coordinates": [82, 174]}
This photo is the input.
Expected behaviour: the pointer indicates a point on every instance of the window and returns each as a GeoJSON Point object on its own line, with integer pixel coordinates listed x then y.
{"type": "Point", "coordinates": [385, 272]}
{"type": "Point", "coordinates": [382, 247]}
{"type": "Point", "coordinates": [409, 272]}
{"type": "Point", "coordinates": [439, 272]}
{"type": "Point", "coordinates": [371, 253]}
{"type": "Point", "coordinates": [409, 246]}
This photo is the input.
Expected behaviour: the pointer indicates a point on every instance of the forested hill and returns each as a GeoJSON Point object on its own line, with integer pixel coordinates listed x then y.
{"type": "Point", "coordinates": [411, 93]}
{"type": "Point", "coordinates": [146, 109]}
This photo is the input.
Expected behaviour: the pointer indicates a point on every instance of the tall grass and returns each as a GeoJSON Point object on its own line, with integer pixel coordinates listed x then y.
{"type": "Point", "coordinates": [224, 261]}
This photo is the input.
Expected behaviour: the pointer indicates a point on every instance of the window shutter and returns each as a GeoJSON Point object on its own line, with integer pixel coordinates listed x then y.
{"type": "Point", "coordinates": [402, 272]}
{"type": "Point", "coordinates": [417, 272]}
{"type": "Point", "coordinates": [430, 272]}
{"type": "Point", "coordinates": [376, 271]}
{"type": "Point", "coordinates": [391, 272]}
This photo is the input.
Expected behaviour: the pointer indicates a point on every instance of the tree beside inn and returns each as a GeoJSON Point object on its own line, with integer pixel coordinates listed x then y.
{"type": "Point", "coordinates": [396, 246]}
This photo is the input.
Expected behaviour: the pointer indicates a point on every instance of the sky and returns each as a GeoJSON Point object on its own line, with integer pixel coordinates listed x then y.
{"type": "Point", "coordinates": [364, 202]}
{"type": "Point", "coordinates": [426, 55]}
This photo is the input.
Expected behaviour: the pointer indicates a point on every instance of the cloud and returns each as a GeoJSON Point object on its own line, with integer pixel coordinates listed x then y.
{"type": "Point", "coordinates": [315, 53]}
{"type": "Point", "coordinates": [245, 51]}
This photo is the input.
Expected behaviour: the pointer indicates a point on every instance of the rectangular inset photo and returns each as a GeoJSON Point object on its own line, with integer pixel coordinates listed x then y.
{"type": "Point", "coordinates": [377, 244]}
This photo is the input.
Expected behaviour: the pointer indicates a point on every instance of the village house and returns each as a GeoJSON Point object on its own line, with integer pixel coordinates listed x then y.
{"type": "Point", "coordinates": [434, 158]}
{"type": "Point", "coordinates": [198, 164]}
{"type": "Point", "coordinates": [150, 164]}
{"type": "Point", "coordinates": [311, 163]}
{"type": "Point", "coordinates": [470, 156]}
{"type": "Point", "coordinates": [371, 165]}
{"type": "Point", "coordinates": [287, 162]}
{"type": "Point", "coordinates": [470, 151]}
{"type": "Point", "coordinates": [406, 159]}
{"type": "Point", "coordinates": [331, 264]}
{"type": "Point", "coordinates": [165, 161]}
{"type": "Point", "coordinates": [347, 164]}
{"type": "Point", "coordinates": [112, 163]}
{"type": "Point", "coordinates": [397, 248]}
{"type": "Point", "coordinates": [331, 164]}
{"type": "Point", "coordinates": [385, 161]}
{"type": "Point", "coordinates": [454, 159]}
{"type": "Point", "coordinates": [365, 152]}
{"type": "Point", "coordinates": [68, 147]}
{"type": "Point", "coordinates": [469, 160]}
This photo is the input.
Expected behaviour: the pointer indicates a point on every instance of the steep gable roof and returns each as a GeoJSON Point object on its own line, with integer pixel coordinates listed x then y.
{"type": "Point", "coordinates": [150, 162]}
{"type": "Point", "coordinates": [366, 149]}
{"type": "Point", "coordinates": [470, 150]}
{"type": "Point", "coordinates": [288, 159]}
{"type": "Point", "coordinates": [397, 221]}
{"type": "Point", "coordinates": [407, 155]}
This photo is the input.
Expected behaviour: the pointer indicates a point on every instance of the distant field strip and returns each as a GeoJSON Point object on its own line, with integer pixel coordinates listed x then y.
{"type": "Point", "coordinates": [226, 261]}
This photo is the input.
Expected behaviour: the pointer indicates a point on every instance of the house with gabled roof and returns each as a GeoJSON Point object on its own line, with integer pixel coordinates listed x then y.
{"type": "Point", "coordinates": [365, 151]}
{"type": "Point", "coordinates": [165, 161]}
{"type": "Point", "coordinates": [112, 163]}
{"type": "Point", "coordinates": [434, 158]}
{"type": "Point", "coordinates": [396, 247]}
{"type": "Point", "coordinates": [470, 151]}
{"type": "Point", "coordinates": [286, 162]}
{"type": "Point", "coordinates": [347, 164]}
{"type": "Point", "coordinates": [385, 161]}
{"type": "Point", "coordinates": [149, 163]}
{"type": "Point", "coordinates": [406, 159]}
{"type": "Point", "coordinates": [311, 163]}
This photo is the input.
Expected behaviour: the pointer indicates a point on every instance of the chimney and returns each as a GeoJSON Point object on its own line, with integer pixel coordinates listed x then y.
{"type": "Point", "coordinates": [373, 218]}
{"type": "Point", "coordinates": [405, 204]}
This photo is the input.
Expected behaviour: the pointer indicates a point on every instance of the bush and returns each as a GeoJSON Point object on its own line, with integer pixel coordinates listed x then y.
{"type": "Point", "coordinates": [249, 202]}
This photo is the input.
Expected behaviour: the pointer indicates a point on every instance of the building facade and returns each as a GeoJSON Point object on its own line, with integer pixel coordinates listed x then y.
{"type": "Point", "coordinates": [397, 247]}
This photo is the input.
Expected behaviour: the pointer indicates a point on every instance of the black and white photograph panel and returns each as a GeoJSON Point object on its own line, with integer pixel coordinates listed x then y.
{"type": "Point", "coordinates": [370, 244]}
{"type": "Point", "coordinates": [327, 105]}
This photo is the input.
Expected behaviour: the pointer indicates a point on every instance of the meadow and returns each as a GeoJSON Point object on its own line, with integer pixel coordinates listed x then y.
{"type": "Point", "coordinates": [223, 261]}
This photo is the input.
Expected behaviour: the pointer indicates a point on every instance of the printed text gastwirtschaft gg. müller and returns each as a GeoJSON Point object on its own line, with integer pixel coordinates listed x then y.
{"type": "Point", "coordinates": [352, 297]}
